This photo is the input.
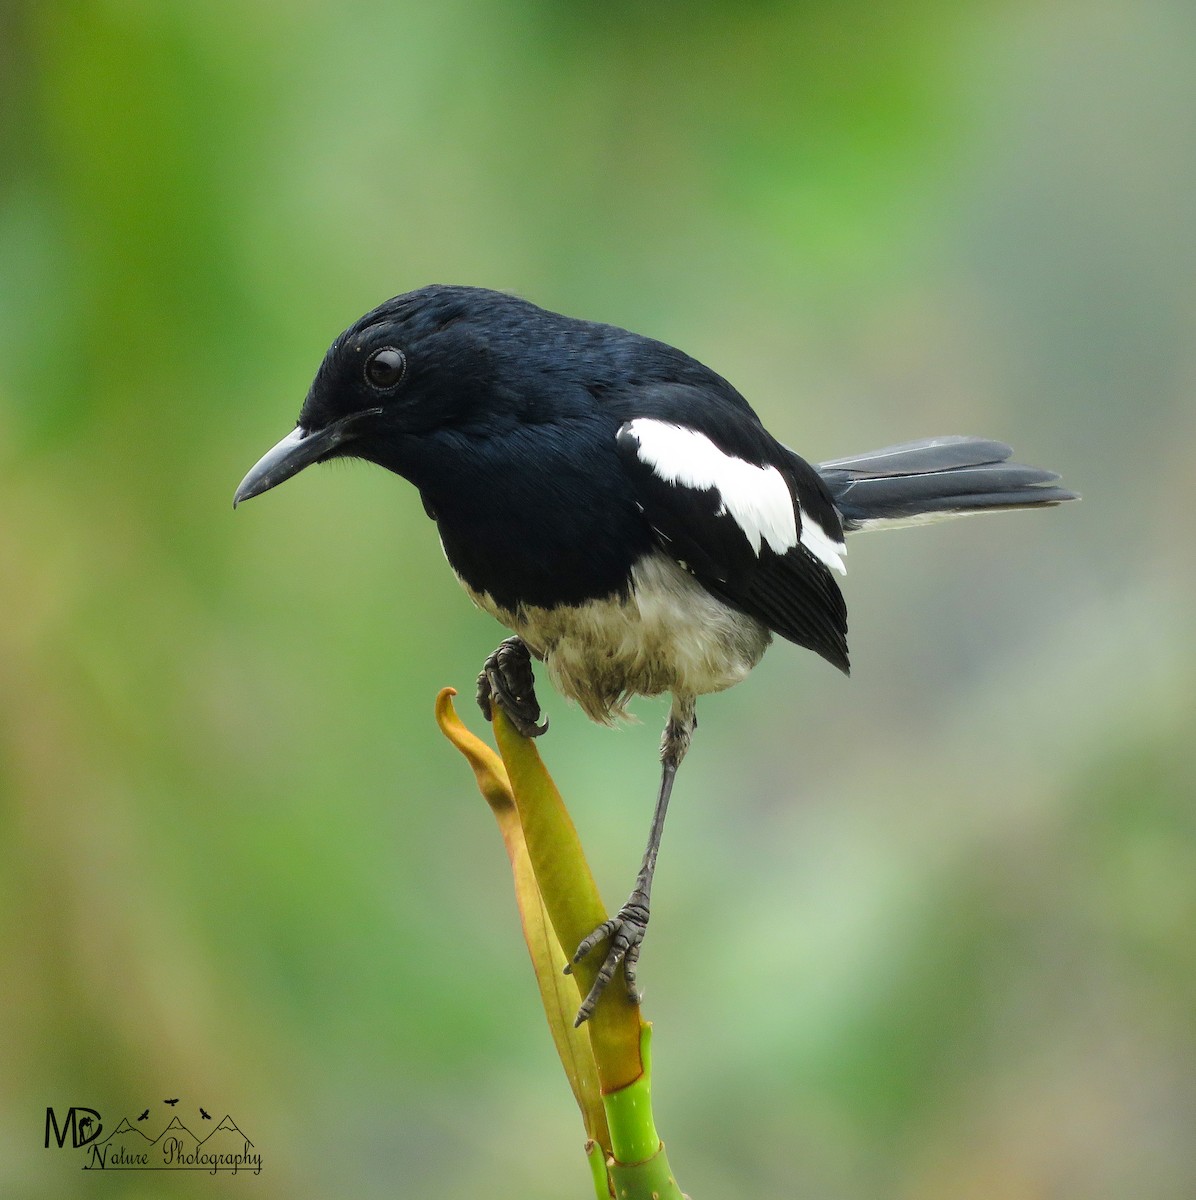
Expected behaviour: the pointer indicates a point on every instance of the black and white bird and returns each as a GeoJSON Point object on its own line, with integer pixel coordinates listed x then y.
{"type": "Point", "coordinates": [619, 507]}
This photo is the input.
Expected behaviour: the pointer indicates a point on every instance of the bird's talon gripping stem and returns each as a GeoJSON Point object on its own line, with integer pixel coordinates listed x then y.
{"type": "Point", "coordinates": [623, 934]}
{"type": "Point", "coordinates": [507, 678]}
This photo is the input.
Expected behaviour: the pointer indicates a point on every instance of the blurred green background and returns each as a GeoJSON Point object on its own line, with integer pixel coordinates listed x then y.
{"type": "Point", "coordinates": [955, 896]}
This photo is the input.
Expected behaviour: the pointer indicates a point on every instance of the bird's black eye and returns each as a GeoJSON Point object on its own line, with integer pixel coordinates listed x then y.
{"type": "Point", "coordinates": [384, 368]}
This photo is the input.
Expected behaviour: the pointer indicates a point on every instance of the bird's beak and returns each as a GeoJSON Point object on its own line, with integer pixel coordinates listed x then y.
{"type": "Point", "coordinates": [299, 449]}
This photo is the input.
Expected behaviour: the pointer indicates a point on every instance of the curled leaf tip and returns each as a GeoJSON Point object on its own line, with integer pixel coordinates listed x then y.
{"type": "Point", "coordinates": [487, 766]}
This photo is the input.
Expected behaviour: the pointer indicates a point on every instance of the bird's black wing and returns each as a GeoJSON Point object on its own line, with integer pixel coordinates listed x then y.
{"type": "Point", "coordinates": [749, 519]}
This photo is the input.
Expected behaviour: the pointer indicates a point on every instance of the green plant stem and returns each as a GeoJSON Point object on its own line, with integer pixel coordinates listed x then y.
{"type": "Point", "coordinates": [607, 1060]}
{"type": "Point", "coordinates": [596, 1157]}
{"type": "Point", "coordinates": [638, 1168]}
{"type": "Point", "coordinates": [633, 1136]}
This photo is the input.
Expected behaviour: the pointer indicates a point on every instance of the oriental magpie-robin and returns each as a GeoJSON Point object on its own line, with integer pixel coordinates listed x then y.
{"type": "Point", "coordinates": [619, 507]}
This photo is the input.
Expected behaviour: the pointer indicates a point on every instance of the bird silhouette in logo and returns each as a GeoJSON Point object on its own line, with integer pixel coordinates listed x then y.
{"type": "Point", "coordinates": [174, 1101]}
{"type": "Point", "coordinates": [203, 1112]}
{"type": "Point", "coordinates": [143, 1115]}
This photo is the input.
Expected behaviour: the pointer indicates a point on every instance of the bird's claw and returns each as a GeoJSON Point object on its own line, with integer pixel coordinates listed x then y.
{"type": "Point", "coordinates": [507, 678]}
{"type": "Point", "coordinates": [623, 933]}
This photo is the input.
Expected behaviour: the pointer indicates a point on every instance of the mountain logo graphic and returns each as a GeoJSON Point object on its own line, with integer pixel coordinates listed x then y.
{"type": "Point", "coordinates": [176, 1130]}
{"type": "Point", "coordinates": [227, 1149]}
{"type": "Point", "coordinates": [226, 1132]}
{"type": "Point", "coordinates": [123, 1129]}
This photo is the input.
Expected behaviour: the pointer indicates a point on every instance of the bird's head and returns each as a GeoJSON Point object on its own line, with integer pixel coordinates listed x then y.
{"type": "Point", "coordinates": [430, 359]}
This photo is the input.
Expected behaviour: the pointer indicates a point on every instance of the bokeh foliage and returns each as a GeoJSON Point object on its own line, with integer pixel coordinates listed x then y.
{"type": "Point", "coordinates": [238, 864]}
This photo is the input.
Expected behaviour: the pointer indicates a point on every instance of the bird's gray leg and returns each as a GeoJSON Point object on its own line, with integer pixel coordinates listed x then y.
{"type": "Point", "coordinates": [625, 930]}
{"type": "Point", "coordinates": [507, 677]}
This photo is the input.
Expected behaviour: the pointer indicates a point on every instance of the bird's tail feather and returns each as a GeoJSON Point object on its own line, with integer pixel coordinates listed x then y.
{"type": "Point", "coordinates": [939, 477]}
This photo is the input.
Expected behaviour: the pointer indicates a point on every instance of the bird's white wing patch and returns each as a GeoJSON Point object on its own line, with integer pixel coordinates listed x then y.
{"type": "Point", "coordinates": [757, 498]}
{"type": "Point", "coordinates": [821, 545]}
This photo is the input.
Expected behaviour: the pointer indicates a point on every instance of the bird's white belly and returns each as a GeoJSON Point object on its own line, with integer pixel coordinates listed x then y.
{"type": "Point", "coordinates": [668, 635]}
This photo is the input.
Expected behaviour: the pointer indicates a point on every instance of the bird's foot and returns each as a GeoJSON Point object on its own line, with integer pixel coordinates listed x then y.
{"type": "Point", "coordinates": [507, 678]}
{"type": "Point", "coordinates": [623, 933]}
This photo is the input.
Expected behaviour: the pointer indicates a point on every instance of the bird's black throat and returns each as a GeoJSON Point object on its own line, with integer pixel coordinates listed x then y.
{"type": "Point", "coordinates": [522, 515]}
